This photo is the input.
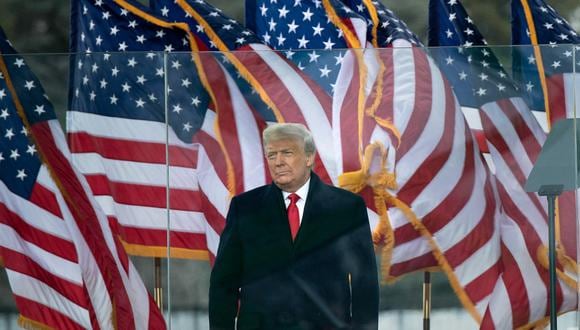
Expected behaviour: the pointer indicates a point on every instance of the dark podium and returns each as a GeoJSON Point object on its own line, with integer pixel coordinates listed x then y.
{"type": "Point", "coordinates": [555, 171]}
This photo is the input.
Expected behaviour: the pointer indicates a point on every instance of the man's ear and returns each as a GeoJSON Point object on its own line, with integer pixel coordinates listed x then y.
{"type": "Point", "coordinates": [310, 160]}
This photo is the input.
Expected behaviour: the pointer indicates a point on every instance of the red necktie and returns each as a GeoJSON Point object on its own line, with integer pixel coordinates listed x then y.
{"type": "Point", "coordinates": [293, 216]}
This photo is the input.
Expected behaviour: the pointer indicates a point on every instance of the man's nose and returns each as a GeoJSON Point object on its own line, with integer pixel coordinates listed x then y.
{"type": "Point", "coordinates": [279, 160]}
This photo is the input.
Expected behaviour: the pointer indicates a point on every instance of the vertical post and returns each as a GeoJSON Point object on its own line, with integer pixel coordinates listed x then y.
{"type": "Point", "coordinates": [158, 290]}
{"type": "Point", "coordinates": [426, 301]}
{"type": "Point", "coordinates": [551, 192]}
{"type": "Point", "coordinates": [552, 260]}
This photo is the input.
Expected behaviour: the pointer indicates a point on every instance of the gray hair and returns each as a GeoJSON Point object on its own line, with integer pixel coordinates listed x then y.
{"type": "Point", "coordinates": [290, 131]}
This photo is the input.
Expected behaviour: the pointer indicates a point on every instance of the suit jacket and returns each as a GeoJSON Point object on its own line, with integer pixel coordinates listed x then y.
{"type": "Point", "coordinates": [325, 279]}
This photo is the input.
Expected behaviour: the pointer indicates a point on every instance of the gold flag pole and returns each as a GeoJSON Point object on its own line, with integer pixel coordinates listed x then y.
{"type": "Point", "coordinates": [158, 290]}
{"type": "Point", "coordinates": [426, 301]}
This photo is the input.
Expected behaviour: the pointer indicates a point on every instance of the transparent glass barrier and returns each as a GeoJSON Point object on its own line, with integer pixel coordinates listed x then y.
{"type": "Point", "coordinates": [439, 142]}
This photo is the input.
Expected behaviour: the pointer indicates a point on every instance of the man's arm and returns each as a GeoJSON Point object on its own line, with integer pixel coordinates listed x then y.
{"type": "Point", "coordinates": [225, 276]}
{"type": "Point", "coordinates": [364, 281]}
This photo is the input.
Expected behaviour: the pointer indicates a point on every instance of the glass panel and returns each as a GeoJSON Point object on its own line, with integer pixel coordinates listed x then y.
{"type": "Point", "coordinates": [461, 129]}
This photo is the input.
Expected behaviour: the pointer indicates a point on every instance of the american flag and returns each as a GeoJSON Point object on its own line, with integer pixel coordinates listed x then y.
{"type": "Point", "coordinates": [65, 267]}
{"type": "Point", "coordinates": [439, 172]}
{"type": "Point", "coordinates": [515, 138]}
{"type": "Point", "coordinates": [132, 95]}
{"type": "Point", "coordinates": [549, 73]}
{"type": "Point", "coordinates": [307, 36]}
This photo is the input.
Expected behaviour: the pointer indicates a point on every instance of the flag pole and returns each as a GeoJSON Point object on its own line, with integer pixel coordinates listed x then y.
{"type": "Point", "coordinates": [426, 300]}
{"type": "Point", "coordinates": [158, 290]}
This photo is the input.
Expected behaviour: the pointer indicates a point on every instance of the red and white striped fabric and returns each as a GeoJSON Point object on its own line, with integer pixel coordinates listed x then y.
{"type": "Point", "coordinates": [563, 90]}
{"type": "Point", "coordinates": [440, 175]}
{"type": "Point", "coordinates": [68, 270]}
{"type": "Point", "coordinates": [515, 139]}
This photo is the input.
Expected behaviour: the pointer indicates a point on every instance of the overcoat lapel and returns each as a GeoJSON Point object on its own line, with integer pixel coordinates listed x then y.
{"type": "Point", "coordinates": [275, 212]}
{"type": "Point", "coordinates": [312, 225]}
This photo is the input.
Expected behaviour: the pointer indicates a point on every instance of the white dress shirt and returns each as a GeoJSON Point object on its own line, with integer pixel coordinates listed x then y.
{"type": "Point", "coordinates": [302, 192]}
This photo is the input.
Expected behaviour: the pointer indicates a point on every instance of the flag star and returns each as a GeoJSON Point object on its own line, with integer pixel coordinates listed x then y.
{"type": "Point", "coordinates": [282, 12]}
{"type": "Point", "coordinates": [113, 99]}
{"type": "Point", "coordinates": [559, 21]}
{"type": "Point", "coordinates": [175, 64]}
{"type": "Point", "coordinates": [307, 15]}
{"type": "Point", "coordinates": [141, 39]}
{"type": "Point", "coordinates": [2, 93]}
{"type": "Point", "coordinates": [556, 64]}
{"type": "Point", "coordinates": [94, 67]}
{"type": "Point", "coordinates": [313, 56]}
{"type": "Point", "coordinates": [568, 53]}
{"type": "Point", "coordinates": [531, 59]}
{"type": "Point", "coordinates": [452, 2]}
{"type": "Point", "coordinates": [462, 75]}
{"type": "Point", "coordinates": [302, 42]}
{"type": "Point", "coordinates": [133, 24]}
{"type": "Point", "coordinates": [484, 64]}
{"type": "Point", "coordinates": [263, 9]}
{"type": "Point", "coordinates": [152, 97]}
{"type": "Point", "coordinates": [469, 20]}
{"type": "Point", "coordinates": [324, 71]}
{"type": "Point", "coordinates": [281, 39]}
{"type": "Point", "coordinates": [227, 27]}
{"type": "Point", "coordinates": [1, 157]}
{"type": "Point", "coordinates": [317, 30]}
{"type": "Point", "coordinates": [485, 52]}
{"type": "Point", "coordinates": [339, 58]}
{"type": "Point", "coordinates": [29, 85]}
{"type": "Point", "coordinates": [122, 46]}
{"type": "Point", "coordinates": [21, 174]}
{"type": "Point", "coordinates": [159, 72]}
{"type": "Point", "coordinates": [468, 31]}
{"type": "Point", "coordinates": [328, 44]}
{"type": "Point", "coordinates": [150, 55]}
{"type": "Point", "coordinates": [266, 37]}
{"type": "Point", "coordinates": [449, 60]}
{"type": "Point", "coordinates": [501, 87]}
{"type": "Point", "coordinates": [114, 71]}
{"type": "Point", "coordinates": [481, 91]}
{"type": "Point", "coordinates": [483, 76]}
{"type": "Point", "coordinates": [106, 15]}
{"type": "Point", "coordinates": [114, 31]}
{"type": "Point", "coordinates": [177, 108]}
{"type": "Point", "coordinates": [563, 36]}
{"type": "Point", "coordinates": [24, 131]}
{"type": "Point", "coordinates": [92, 95]}
{"type": "Point", "coordinates": [297, 3]}
{"type": "Point", "coordinates": [160, 34]}
{"type": "Point", "coordinates": [39, 109]}
{"type": "Point", "coordinates": [544, 9]}
{"type": "Point", "coordinates": [31, 149]}
{"type": "Point", "coordinates": [195, 101]}
{"type": "Point", "coordinates": [141, 79]}
{"type": "Point", "coordinates": [140, 103]}
{"type": "Point", "coordinates": [103, 83]}
{"type": "Point", "coordinates": [185, 82]}
{"type": "Point", "coordinates": [19, 62]}
{"type": "Point", "coordinates": [529, 86]}
{"type": "Point", "coordinates": [14, 154]}
{"type": "Point", "coordinates": [126, 87]}
{"type": "Point", "coordinates": [360, 8]}
{"type": "Point", "coordinates": [168, 48]}
{"type": "Point", "coordinates": [289, 53]}
{"type": "Point", "coordinates": [300, 66]}
{"type": "Point", "coordinates": [548, 26]}
{"type": "Point", "coordinates": [4, 114]}
{"type": "Point", "coordinates": [272, 25]}
{"type": "Point", "coordinates": [449, 34]}
{"type": "Point", "coordinates": [292, 26]}
{"type": "Point", "coordinates": [9, 134]}
{"type": "Point", "coordinates": [187, 127]}
{"type": "Point", "coordinates": [164, 11]}
{"type": "Point", "coordinates": [468, 44]}
{"type": "Point", "coordinates": [240, 40]}
{"type": "Point", "coordinates": [452, 16]}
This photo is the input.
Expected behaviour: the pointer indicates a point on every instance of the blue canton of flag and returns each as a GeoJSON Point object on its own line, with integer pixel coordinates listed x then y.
{"type": "Point", "coordinates": [544, 27]}
{"type": "Point", "coordinates": [296, 26]}
{"type": "Point", "coordinates": [475, 72]}
{"type": "Point", "coordinates": [389, 26]}
{"type": "Point", "coordinates": [19, 162]}
{"type": "Point", "coordinates": [123, 71]}
{"type": "Point", "coordinates": [229, 32]}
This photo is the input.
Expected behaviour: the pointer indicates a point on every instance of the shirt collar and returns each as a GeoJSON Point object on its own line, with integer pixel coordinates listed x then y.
{"type": "Point", "coordinates": [302, 192]}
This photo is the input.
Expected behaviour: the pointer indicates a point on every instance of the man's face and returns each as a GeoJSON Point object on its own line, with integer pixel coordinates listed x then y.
{"type": "Point", "coordinates": [288, 163]}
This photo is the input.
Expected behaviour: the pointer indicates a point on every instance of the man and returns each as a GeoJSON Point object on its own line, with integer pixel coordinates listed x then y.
{"type": "Point", "coordinates": [295, 254]}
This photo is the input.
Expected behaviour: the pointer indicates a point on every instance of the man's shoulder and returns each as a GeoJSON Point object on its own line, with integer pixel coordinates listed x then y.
{"type": "Point", "coordinates": [341, 194]}
{"type": "Point", "coordinates": [254, 193]}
